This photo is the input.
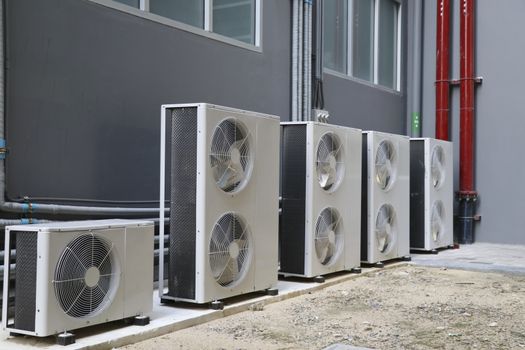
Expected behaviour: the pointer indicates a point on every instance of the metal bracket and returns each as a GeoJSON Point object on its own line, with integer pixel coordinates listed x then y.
{"type": "Point", "coordinates": [455, 82]}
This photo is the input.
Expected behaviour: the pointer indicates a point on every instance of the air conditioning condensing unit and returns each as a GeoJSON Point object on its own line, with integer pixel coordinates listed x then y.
{"type": "Point", "coordinates": [220, 171]}
{"type": "Point", "coordinates": [75, 274]}
{"type": "Point", "coordinates": [431, 194]}
{"type": "Point", "coordinates": [321, 194]}
{"type": "Point", "coordinates": [385, 221]}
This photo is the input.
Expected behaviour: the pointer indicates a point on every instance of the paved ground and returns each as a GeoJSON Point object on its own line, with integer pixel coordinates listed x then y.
{"type": "Point", "coordinates": [408, 307]}
{"type": "Point", "coordinates": [478, 257]}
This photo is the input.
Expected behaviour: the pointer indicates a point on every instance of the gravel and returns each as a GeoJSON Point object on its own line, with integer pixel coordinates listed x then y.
{"type": "Point", "coordinates": [409, 307]}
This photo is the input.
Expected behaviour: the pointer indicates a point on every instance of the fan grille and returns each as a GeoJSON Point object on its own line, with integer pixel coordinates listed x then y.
{"type": "Point", "coordinates": [437, 219]}
{"type": "Point", "coordinates": [385, 164]}
{"type": "Point", "coordinates": [437, 166]}
{"type": "Point", "coordinates": [330, 167]}
{"type": "Point", "coordinates": [230, 249]}
{"type": "Point", "coordinates": [386, 228]}
{"type": "Point", "coordinates": [328, 236]}
{"type": "Point", "coordinates": [86, 276]}
{"type": "Point", "coordinates": [230, 155]}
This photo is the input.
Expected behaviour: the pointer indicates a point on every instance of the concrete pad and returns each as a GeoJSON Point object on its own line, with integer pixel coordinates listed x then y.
{"type": "Point", "coordinates": [166, 319]}
{"type": "Point", "coordinates": [344, 347]}
{"type": "Point", "coordinates": [488, 257]}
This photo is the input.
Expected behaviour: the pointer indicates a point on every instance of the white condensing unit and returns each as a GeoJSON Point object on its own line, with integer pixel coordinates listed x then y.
{"type": "Point", "coordinates": [321, 199]}
{"type": "Point", "coordinates": [71, 275]}
{"type": "Point", "coordinates": [220, 172]}
{"type": "Point", "coordinates": [385, 221]}
{"type": "Point", "coordinates": [431, 194]}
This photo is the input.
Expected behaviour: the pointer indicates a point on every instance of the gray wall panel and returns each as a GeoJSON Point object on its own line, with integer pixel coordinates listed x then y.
{"type": "Point", "coordinates": [85, 85]}
{"type": "Point", "coordinates": [361, 106]}
{"type": "Point", "coordinates": [500, 53]}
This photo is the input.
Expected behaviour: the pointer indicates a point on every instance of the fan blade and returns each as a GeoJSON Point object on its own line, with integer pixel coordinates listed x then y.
{"type": "Point", "coordinates": [323, 149]}
{"type": "Point", "coordinates": [76, 299]}
{"type": "Point", "coordinates": [381, 218]}
{"type": "Point", "coordinates": [231, 176]}
{"type": "Point", "coordinates": [234, 267]}
{"type": "Point", "coordinates": [106, 256]}
{"type": "Point", "coordinates": [382, 243]}
{"type": "Point", "coordinates": [334, 226]}
{"type": "Point", "coordinates": [322, 244]}
{"type": "Point", "coordinates": [332, 174]}
{"type": "Point", "coordinates": [331, 251]}
{"type": "Point", "coordinates": [336, 152]}
{"type": "Point", "coordinates": [220, 277]}
{"type": "Point", "coordinates": [239, 144]}
{"type": "Point", "coordinates": [225, 234]}
{"type": "Point", "coordinates": [226, 138]}
{"type": "Point", "coordinates": [76, 257]}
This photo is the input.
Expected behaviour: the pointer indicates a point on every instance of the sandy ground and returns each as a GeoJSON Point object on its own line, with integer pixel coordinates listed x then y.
{"type": "Point", "coordinates": [403, 308]}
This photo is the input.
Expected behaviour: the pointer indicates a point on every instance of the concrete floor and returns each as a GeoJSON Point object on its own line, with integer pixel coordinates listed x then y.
{"type": "Point", "coordinates": [166, 319]}
{"type": "Point", "coordinates": [479, 257]}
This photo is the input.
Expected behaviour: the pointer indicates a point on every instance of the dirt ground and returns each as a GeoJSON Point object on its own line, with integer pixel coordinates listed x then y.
{"type": "Point", "coordinates": [402, 308]}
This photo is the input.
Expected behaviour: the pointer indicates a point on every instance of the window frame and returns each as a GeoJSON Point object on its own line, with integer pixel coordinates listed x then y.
{"type": "Point", "coordinates": [143, 12]}
{"type": "Point", "coordinates": [375, 55]}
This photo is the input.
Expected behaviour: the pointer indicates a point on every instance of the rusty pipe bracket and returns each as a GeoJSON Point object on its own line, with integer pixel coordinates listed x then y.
{"type": "Point", "coordinates": [467, 196]}
{"type": "Point", "coordinates": [457, 82]}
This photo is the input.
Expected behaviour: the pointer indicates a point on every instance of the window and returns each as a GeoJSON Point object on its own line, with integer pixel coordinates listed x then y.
{"type": "Point", "coordinates": [387, 45]}
{"type": "Point", "coordinates": [134, 3]}
{"type": "Point", "coordinates": [235, 19]}
{"type": "Point", "coordinates": [220, 19]}
{"type": "Point", "coordinates": [335, 34]}
{"type": "Point", "coordinates": [186, 11]}
{"type": "Point", "coordinates": [362, 40]}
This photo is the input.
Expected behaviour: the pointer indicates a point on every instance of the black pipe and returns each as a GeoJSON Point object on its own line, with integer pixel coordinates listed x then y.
{"type": "Point", "coordinates": [467, 209]}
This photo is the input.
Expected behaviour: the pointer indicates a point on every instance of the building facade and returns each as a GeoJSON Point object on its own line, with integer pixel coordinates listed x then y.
{"type": "Point", "coordinates": [84, 81]}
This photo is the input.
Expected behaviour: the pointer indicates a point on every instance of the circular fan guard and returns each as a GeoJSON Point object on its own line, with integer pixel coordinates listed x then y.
{"type": "Point", "coordinates": [437, 219]}
{"type": "Point", "coordinates": [329, 164]}
{"type": "Point", "coordinates": [230, 155]}
{"type": "Point", "coordinates": [385, 164]}
{"type": "Point", "coordinates": [328, 236]}
{"type": "Point", "coordinates": [230, 249]}
{"type": "Point", "coordinates": [437, 166]}
{"type": "Point", "coordinates": [86, 276]}
{"type": "Point", "coordinates": [386, 228]}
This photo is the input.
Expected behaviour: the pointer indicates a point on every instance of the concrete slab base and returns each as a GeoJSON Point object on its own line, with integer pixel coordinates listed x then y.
{"type": "Point", "coordinates": [344, 347]}
{"type": "Point", "coordinates": [170, 318]}
{"type": "Point", "coordinates": [488, 257]}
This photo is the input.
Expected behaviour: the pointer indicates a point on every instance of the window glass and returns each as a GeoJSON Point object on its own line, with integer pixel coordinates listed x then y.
{"type": "Point", "coordinates": [387, 55]}
{"type": "Point", "coordinates": [363, 39]}
{"type": "Point", "coordinates": [336, 34]}
{"type": "Point", "coordinates": [235, 19]}
{"type": "Point", "coordinates": [134, 3]}
{"type": "Point", "coordinates": [186, 11]}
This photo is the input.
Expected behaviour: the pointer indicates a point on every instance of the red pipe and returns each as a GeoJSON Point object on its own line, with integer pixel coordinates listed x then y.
{"type": "Point", "coordinates": [466, 171]}
{"type": "Point", "coordinates": [442, 69]}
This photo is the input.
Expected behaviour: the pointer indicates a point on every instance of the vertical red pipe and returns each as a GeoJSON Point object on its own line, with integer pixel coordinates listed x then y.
{"type": "Point", "coordinates": [466, 172]}
{"type": "Point", "coordinates": [442, 68]}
